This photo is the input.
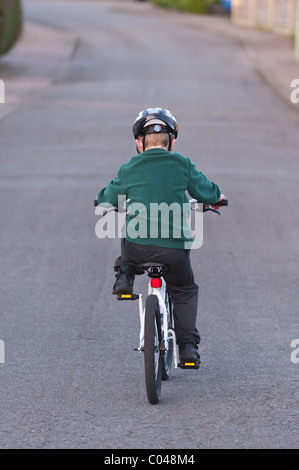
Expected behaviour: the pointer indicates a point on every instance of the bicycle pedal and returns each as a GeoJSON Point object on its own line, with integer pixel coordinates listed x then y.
{"type": "Point", "coordinates": [189, 365]}
{"type": "Point", "coordinates": [127, 296]}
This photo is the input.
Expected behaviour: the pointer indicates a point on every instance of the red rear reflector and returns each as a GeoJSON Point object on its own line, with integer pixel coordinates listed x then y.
{"type": "Point", "coordinates": [156, 282]}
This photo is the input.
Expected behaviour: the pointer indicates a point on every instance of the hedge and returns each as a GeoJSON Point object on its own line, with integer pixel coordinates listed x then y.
{"type": "Point", "coordinates": [10, 23]}
{"type": "Point", "coordinates": [192, 6]}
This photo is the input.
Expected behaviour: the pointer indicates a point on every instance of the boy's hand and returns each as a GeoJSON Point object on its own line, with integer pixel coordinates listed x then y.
{"type": "Point", "coordinates": [215, 205]}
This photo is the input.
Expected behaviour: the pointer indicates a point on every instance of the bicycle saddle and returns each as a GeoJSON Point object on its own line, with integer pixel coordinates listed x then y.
{"type": "Point", "coordinates": [153, 265]}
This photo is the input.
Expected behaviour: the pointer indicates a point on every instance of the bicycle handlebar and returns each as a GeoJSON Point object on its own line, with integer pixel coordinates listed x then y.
{"type": "Point", "coordinates": [222, 203]}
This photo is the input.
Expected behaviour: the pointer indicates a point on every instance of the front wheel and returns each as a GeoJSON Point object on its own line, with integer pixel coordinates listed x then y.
{"type": "Point", "coordinates": [167, 357]}
{"type": "Point", "coordinates": [152, 353]}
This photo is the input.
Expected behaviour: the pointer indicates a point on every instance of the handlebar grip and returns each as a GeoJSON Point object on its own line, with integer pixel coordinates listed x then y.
{"type": "Point", "coordinates": [96, 203]}
{"type": "Point", "coordinates": [224, 202]}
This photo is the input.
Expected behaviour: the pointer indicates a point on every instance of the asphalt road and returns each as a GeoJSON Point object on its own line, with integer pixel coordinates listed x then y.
{"type": "Point", "coordinates": [71, 378]}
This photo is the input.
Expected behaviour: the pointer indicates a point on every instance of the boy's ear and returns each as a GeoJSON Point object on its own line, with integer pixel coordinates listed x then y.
{"type": "Point", "coordinates": [172, 143]}
{"type": "Point", "coordinates": [139, 144]}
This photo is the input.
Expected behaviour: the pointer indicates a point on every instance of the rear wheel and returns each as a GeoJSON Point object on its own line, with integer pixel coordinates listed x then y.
{"type": "Point", "coordinates": [152, 353]}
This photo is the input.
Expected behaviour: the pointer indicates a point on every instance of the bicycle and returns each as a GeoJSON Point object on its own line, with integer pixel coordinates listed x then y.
{"type": "Point", "coordinates": [157, 338]}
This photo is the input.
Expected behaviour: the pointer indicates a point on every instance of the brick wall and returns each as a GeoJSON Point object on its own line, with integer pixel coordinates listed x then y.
{"type": "Point", "coordinates": [274, 15]}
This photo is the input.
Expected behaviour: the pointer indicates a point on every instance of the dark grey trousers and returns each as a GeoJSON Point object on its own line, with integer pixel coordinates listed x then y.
{"type": "Point", "coordinates": [179, 280]}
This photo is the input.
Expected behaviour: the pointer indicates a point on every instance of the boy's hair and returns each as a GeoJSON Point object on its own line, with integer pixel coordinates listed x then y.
{"type": "Point", "coordinates": [156, 140]}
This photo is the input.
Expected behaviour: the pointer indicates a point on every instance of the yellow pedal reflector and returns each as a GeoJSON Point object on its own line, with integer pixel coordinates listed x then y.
{"type": "Point", "coordinates": [189, 363]}
{"type": "Point", "coordinates": [126, 296]}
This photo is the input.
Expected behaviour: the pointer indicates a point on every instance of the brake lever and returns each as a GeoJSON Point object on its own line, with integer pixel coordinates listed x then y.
{"type": "Point", "coordinates": [206, 209]}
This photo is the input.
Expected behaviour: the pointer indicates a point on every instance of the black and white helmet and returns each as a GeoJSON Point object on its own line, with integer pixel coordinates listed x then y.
{"type": "Point", "coordinates": [161, 118]}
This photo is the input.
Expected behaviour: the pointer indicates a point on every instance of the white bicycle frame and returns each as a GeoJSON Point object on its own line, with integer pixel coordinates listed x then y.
{"type": "Point", "coordinates": [167, 333]}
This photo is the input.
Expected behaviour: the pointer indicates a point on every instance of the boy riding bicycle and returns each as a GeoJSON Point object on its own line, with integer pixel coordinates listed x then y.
{"type": "Point", "coordinates": [156, 175]}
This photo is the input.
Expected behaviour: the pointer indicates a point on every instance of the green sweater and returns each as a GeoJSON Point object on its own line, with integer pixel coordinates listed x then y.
{"type": "Point", "coordinates": [150, 179]}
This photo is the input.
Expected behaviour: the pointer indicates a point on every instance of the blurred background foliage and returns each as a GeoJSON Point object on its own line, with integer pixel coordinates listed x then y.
{"type": "Point", "coordinates": [10, 24]}
{"type": "Point", "coordinates": [193, 6]}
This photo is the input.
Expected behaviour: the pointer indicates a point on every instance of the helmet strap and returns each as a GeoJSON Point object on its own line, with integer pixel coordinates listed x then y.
{"type": "Point", "coordinates": [170, 141]}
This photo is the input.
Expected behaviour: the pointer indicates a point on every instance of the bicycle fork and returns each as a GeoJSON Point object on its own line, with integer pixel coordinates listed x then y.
{"type": "Point", "coordinates": [167, 333]}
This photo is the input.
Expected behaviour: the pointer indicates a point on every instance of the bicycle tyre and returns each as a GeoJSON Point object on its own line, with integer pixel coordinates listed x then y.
{"type": "Point", "coordinates": [152, 353]}
{"type": "Point", "coordinates": [167, 357]}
